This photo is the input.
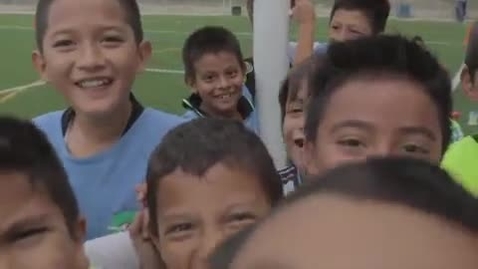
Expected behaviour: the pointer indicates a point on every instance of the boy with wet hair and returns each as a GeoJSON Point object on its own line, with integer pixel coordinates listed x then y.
{"type": "Point", "coordinates": [40, 221]}
{"type": "Point", "coordinates": [215, 72]}
{"type": "Point", "coordinates": [358, 95]}
{"type": "Point", "coordinates": [406, 211]}
{"type": "Point", "coordinates": [91, 51]}
{"type": "Point", "coordinates": [460, 159]}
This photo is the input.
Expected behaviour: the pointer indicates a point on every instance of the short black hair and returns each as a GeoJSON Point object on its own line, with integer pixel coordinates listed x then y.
{"type": "Point", "coordinates": [290, 87]}
{"type": "Point", "coordinates": [209, 39]}
{"type": "Point", "coordinates": [196, 146]}
{"type": "Point", "coordinates": [410, 182]}
{"type": "Point", "coordinates": [24, 149]}
{"type": "Point", "coordinates": [471, 57]}
{"type": "Point", "coordinates": [378, 55]}
{"type": "Point", "coordinates": [377, 11]}
{"type": "Point", "coordinates": [130, 7]}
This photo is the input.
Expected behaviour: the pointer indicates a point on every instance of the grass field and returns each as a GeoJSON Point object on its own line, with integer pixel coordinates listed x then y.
{"type": "Point", "coordinates": [162, 86]}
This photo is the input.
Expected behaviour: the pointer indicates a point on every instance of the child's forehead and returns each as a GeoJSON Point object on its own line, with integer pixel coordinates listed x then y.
{"type": "Point", "coordinates": [225, 173]}
{"type": "Point", "coordinates": [63, 10]}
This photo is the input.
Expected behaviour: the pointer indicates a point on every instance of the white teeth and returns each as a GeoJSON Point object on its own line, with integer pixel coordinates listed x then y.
{"type": "Point", "coordinates": [224, 96]}
{"type": "Point", "coordinates": [92, 83]}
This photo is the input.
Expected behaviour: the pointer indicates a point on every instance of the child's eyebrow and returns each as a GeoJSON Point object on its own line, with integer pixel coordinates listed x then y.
{"type": "Point", "coordinates": [175, 216]}
{"type": "Point", "coordinates": [418, 130]}
{"type": "Point", "coordinates": [352, 124]}
{"type": "Point", "coordinates": [27, 222]}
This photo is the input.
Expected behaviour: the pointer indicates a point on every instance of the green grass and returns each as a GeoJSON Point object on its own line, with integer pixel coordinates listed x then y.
{"type": "Point", "coordinates": [167, 33]}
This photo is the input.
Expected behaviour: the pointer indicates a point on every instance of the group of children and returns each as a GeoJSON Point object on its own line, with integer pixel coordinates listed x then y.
{"type": "Point", "coordinates": [366, 122]}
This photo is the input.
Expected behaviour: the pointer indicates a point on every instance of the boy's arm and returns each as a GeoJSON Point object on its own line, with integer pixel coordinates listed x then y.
{"type": "Point", "coordinates": [304, 14]}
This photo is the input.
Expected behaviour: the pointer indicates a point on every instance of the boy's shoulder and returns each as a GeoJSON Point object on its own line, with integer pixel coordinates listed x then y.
{"type": "Point", "coordinates": [47, 118]}
{"type": "Point", "coordinates": [50, 124]}
{"type": "Point", "coordinates": [155, 122]}
{"type": "Point", "coordinates": [155, 114]}
{"type": "Point", "coordinates": [460, 161]}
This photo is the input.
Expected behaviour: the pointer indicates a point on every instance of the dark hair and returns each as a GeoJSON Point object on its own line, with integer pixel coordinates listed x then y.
{"type": "Point", "coordinates": [209, 39]}
{"type": "Point", "coordinates": [471, 57]}
{"type": "Point", "coordinates": [377, 11]}
{"type": "Point", "coordinates": [406, 181]}
{"type": "Point", "coordinates": [130, 7]}
{"type": "Point", "coordinates": [196, 146]}
{"type": "Point", "coordinates": [290, 87]}
{"type": "Point", "coordinates": [378, 55]}
{"type": "Point", "coordinates": [25, 149]}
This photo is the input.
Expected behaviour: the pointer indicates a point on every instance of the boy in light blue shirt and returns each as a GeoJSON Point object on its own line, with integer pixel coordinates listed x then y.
{"type": "Point", "coordinates": [90, 51]}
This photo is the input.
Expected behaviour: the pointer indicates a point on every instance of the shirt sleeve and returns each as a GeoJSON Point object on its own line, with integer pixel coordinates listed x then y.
{"type": "Point", "coordinates": [114, 251]}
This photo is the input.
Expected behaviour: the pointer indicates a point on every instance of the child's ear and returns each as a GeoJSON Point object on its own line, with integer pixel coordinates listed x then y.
{"type": "Point", "coordinates": [145, 50]}
{"type": "Point", "coordinates": [80, 229]}
{"type": "Point", "coordinates": [39, 64]}
{"type": "Point", "coordinates": [191, 82]}
{"type": "Point", "coordinates": [469, 84]}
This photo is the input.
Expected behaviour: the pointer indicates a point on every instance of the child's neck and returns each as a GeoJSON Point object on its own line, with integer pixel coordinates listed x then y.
{"type": "Point", "coordinates": [87, 136]}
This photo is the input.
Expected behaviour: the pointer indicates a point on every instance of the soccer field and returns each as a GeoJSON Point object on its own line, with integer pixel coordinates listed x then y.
{"type": "Point", "coordinates": [162, 86]}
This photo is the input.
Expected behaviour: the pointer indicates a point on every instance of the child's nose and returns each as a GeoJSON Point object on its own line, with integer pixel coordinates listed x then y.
{"type": "Point", "coordinates": [90, 57]}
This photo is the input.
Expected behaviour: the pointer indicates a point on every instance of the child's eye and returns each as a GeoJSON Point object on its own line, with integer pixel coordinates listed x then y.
{"type": "Point", "coordinates": [113, 39]}
{"type": "Point", "coordinates": [239, 217]}
{"type": "Point", "coordinates": [179, 228]}
{"type": "Point", "coordinates": [208, 78]}
{"type": "Point", "coordinates": [232, 74]}
{"type": "Point", "coordinates": [63, 43]}
{"type": "Point", "coordinates": [27, 234]}
{"type": "Point", "coordinates": [350, 142]}
{"type": "Point", "coordinates": [335, 27]}
{"type": "Point", "coordinates": [412, 148]}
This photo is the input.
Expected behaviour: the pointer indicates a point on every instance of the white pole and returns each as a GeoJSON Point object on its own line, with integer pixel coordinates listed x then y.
{"type": "Point", "coordinates": [271, 28]}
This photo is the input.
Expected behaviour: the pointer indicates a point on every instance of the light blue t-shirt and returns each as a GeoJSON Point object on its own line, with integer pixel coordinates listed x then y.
{"type": "Point", "coordinates": [104, 184]}
{"type": "Point", "coordinates": [251, 121]}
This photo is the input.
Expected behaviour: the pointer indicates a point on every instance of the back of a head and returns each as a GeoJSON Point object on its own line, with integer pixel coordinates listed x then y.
{"type": "Point", "coordinates": [471, 57]}
{"type": "Point", "coordinates": [209, 40]}
{"type": "Point", "coordinates": [405, 211]}
{"type": "Point", "coordinates": [25, 150]}
{"type": "Point", "coordinates": [197, 145]}
{"type": "Point", "coordinates": [408, 182]}
{"type": "Point", "coordinates": [382, 55]}
{"type": "Point", "coordinates": [377, 11]}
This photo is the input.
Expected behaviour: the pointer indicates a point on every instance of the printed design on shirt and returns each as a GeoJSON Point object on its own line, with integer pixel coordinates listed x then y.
{"type": "Point", "coordinates": [249, 67]}
{"type": "Point", "coordinates": [121, 221]}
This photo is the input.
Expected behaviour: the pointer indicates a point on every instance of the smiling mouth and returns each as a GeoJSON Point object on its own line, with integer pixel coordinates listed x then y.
{"type": "Point", "coordinates": [299, 142]}
{"type": "Point", "coordinates": [94, 83]}
{"type": "Point", "coordinates": [225, 96]}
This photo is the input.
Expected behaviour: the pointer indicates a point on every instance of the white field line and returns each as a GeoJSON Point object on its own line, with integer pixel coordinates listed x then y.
{"type": "Point", "coordinates": [456, 79]}
{"type": "Point", "coordinates": [22, 87]}
{"type": "Point", "coordinates": [165, 71]}
{"type": "Point", "coordinates": [10, 93]}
